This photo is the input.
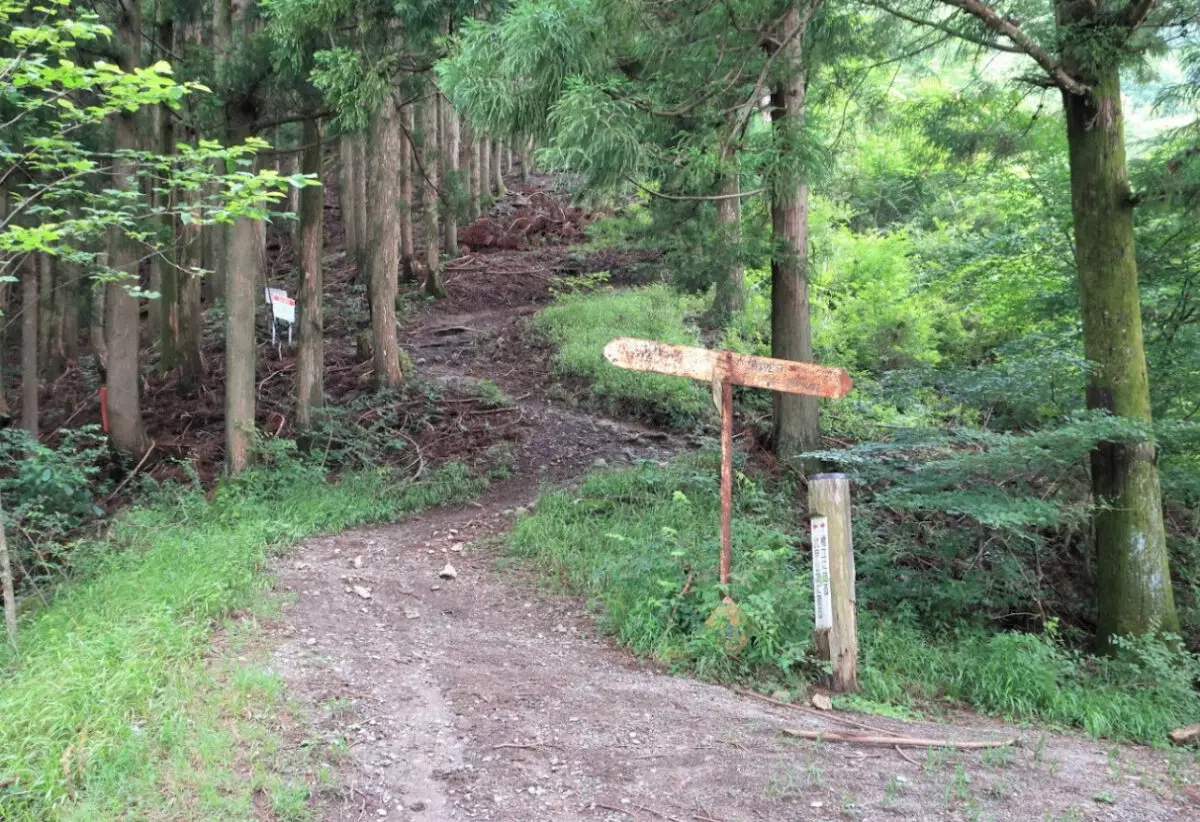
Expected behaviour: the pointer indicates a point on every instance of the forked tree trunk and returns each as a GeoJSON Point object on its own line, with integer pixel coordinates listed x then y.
{"type": "Point", "coordinates": [29, 346]}
{"type": "Point", "coordinates": [386, 140]}
{"type": "Point", "coordinates": [451, 181]}
{"type": "Point", "coordinates": [1134, 593]}
{"type": "Point", "coordinates": [429, 185]}
{"type": "Point", "coordinates": [408, 173]}
{"type": "Point", "coordinates": [797, 423]}
{"type": "Point", "coordinates": [310, 352]}
{"type": "Point", "coordinates": [121, 311]}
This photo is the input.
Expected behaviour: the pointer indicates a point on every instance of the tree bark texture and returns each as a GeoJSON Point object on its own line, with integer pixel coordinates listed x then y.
{"type": "Point", "coordinates": [29, 346]}
{"type": "Point", "coordinates": [451, 180]}
{"type": "Point", "coordinates": [429, 185]}
{"type": "Point", "coordinates": [408, 172]}
{"type": "Point", "coordinates": [386, 142]}
{"type": "Point", "coordinates": [310, 352]}
{"type": "Point", "coordinates": [191, 312]}
{"type": "Point", "coordinates": [797, 422]}
{"type": "Point", "coordinates": [6, 580]}
{"type": "Point", "coordinates": [359, 204]}
{"type": "Point", "coordinates": [497, 167]}
{"type": "Point", "coordinates": [729, 297]}
{"type": "Point", "coordinates": [121, 311]}
{"type": "Point", "coordinates": [475, 188]}
{"type": "Point", "coordinates": [1134, 593]}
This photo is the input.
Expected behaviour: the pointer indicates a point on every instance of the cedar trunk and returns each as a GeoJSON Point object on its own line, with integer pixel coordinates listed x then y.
{"type": "Point", "coordinates": [166, 308]}
{"type": "Point", "coordinates": [29, 346]}
{"type": "Point", "coordinates": [191, 312]}
{"type": "Point", "coordinates": [797, 423]}
{"type": "Point", "coordinates": [429, 186]}
{"type": "Point", "coordinates": [476, 188]}
{"type": "Point", "coordinates": [346, 193]}
{"type": "Point", "coordinates": [486, 178]}
{"type": "Point", "coordinates": [386, 141]}
{"type": "Point", "coordinates": [359, 204]}
{"type": "Point", "coordinates": [1134, 580]}
{"type": "Point", "coordinates": [729, 296]}
{"type": "Point", "coordinates": [6, 581]}
{"type": "Point", "coordinates": [497, 167]}
{"type": "Point", "coordinates": [310, 352]}
{"type": "Point", "coordinates": [451, 183]}
{"type": "Point", "coordinates": [408, 172]}
{"type": "Point", "coordinates": [121, 315]}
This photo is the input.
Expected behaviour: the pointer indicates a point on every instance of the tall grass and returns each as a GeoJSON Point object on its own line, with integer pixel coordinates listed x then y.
{"type": "Point", "coordinates": [582, 324]}
{"type": "Point", "coordinates": [101, 686]}
{"type": "Point", "coordinates": [642, 546]}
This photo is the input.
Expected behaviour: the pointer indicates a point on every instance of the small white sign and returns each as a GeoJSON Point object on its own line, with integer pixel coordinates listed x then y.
{"type": "Point", "coordinates": [822, 597]}
{"type": "Point", "coordinates": [283, 309]}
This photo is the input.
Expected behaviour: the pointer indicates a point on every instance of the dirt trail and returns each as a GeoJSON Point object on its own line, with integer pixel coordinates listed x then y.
{"type": "Point", "coordinates": [482, 697]}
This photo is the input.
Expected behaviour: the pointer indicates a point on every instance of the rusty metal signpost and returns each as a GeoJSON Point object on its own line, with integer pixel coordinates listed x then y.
{"type": "Point", "coordinates": [725, 369]}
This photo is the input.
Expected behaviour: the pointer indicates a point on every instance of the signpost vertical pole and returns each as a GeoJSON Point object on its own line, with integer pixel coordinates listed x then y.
{"type": "Point", "coordinates": [726, 479]}
{"type": "Point", "coordinates": [829, 500]}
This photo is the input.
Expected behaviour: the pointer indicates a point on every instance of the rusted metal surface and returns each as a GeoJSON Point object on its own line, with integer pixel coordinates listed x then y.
{"type": "Point", "coordinates": [740, 369]}
{"type": "Point", "coordinates": [726, 477]}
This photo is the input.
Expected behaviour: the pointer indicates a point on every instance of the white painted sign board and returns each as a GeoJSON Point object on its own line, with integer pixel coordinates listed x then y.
{"type": "Point", "coordinates": [822, 596]}
{"type": "Point", "coordinates": [283, 309]}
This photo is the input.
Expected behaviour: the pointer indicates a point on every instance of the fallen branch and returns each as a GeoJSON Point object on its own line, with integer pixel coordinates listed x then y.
{"type": "Point", "coordinates": [897, 741]}
{"type": "Point", "coordinates": [906, 757]}
{"type": "Point", "coordinates": [133, 473]}
{"type": "Point", "coordinates": [862, 726]}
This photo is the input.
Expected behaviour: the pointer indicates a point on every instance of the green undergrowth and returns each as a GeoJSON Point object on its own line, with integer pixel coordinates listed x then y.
{"type": "Point", "coordinates": [580, 325]}
{"type": "Point", "coordinates": [641, 545]}
{"type": "Point", "coordinates": [100, 716]}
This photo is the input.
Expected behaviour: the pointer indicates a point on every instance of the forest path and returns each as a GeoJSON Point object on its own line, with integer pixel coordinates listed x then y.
{"type": "Point", "coordinates": [485, 697]}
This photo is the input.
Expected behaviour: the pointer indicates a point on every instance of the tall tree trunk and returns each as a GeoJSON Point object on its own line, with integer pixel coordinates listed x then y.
{"type": "Point", "coordinates": [729, 297]}
{"type": "Point", "coordinates": [191, 311]}
{"type": "Point", "coordinates": [68, 309]}
{"type": "Point", "coordinates": [429, 163]}
{"type": "Point", "coordinates": [797, 423]}
{"type": "Point", "coordinates": [497, 166]}
{"type": "Point", "coordinates": [121, 311]}
{"type": "Point", "coordinates": [526, 159]}
{"type": "Point", "coordinates": [386, 141]}
{"type": "Point", "coordinates": [165, 262]}
{"type": "Point", "coordinates": [408, 173]}
{"type": "Point", "coordinates": [29, 346]}
{"type": "Point", "coordinates": [360, 206]}
{"type": "Point", "coordinates": [310, 354]}
{"type": "Point", "coordinates": [486, 178]}
{"type": "Point", "coordinates": [346, 193]}
{"type": "Point", "coordinates": [451, 181]}
{"type": "Point", "coordinates": [96, 335]}
{"type": "Point", "coordinates": [473, 183]}
{"type": "Point", "coordinates": [6, 580]}
{"type": "Point", "coordinates": [1134, 593]}
{"type": "Point", "coordinates": [49, 324]}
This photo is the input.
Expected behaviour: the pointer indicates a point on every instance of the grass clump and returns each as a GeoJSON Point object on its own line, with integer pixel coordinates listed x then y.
{"type": "Point", "coordinates": [642, 545]}
{"type": "Point", "coordinates": [581, 325]}
{"type": "Point", "coordinates": [98, 697]}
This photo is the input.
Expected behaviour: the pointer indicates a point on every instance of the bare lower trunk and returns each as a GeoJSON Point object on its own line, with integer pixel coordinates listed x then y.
{"type": "Point", "coordinates": [429, 162]}
{"type": "Point", "coordinates": [476, 188]}
{"type": "Point", "coordinates": [166, 307]}
{"type": "Point", "coordinates": [50, 343]}
{"type": "Point", "coordinates": [6, 580]}
{"type": "Point", "coordinates": [1134, 593]}
{"type": "Point", "coordinates": [408, 172]}
{"type": "Point", "coordinates": [191, 314]}
{"type": "Point", "coordinates": [451, 182]}
{"type": "Point", "coordinates": [384, 240]}
{"type": "Point", "coordinates": [68, 309]}
{"type": "Point", "coordinates": [486, 178]}
{"type": "Point", "coordinates": [729, 296]}
{"type": "Point", "coordinates": [29, 346]}
{"type": "Point", "coordinates": [96, 323]}
{"type": "Point", "coordinates": [797, 421]}
{"type": "Point", "coordinates": [497, 166]}
{"type": "Point", "coordinates": [526, 159]}
{"type": "Point", "coordinates": [360, 205]}
{"type": "Point", "coordinates": [310, 352]}
{"type": "Point", "coordinates": [245, 270]}
{"type": "Point", "coordinates": [346, 193]}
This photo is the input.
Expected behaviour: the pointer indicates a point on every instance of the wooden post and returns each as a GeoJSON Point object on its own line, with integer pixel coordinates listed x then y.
{"type": "Point", "coordinates": [829, 506]}
{"type": "Point", "coordinates": [725, 387]}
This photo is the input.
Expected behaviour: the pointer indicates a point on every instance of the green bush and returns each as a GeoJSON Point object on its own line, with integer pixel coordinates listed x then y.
{"type": "Point", "coordinates": [581, 325]}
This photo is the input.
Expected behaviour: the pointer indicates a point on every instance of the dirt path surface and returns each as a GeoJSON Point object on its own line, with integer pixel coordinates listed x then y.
{"type": "Point", "coordinates": [484, 698]}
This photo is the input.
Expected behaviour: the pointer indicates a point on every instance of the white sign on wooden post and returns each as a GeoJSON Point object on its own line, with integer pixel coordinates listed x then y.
{"type": "Point", "coordinates": [283, 309]}
{"type": "Point", "coordinates": [822, 596]}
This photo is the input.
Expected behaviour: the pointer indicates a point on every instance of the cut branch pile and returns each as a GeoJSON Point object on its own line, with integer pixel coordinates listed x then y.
{"type": "Point", "coordinates": [529, 220]}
